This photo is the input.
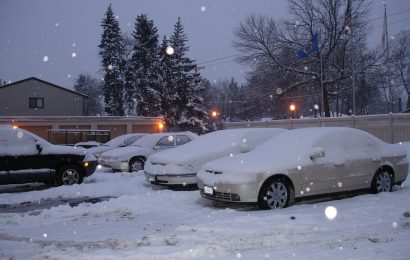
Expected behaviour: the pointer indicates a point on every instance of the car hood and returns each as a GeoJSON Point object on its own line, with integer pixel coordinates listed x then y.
{"type": "Point", "coordinates": [195, 158]}
{"type": "Point", "coordinates": [63, 149]}
{"type": "Point", "coordinates": [99, 149]}
{"type": "Point", "coordinates": [126, 151]}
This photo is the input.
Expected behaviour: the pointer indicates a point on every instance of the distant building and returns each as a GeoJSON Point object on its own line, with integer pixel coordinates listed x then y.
{"type": "Point", "coordinates": [36, 97]}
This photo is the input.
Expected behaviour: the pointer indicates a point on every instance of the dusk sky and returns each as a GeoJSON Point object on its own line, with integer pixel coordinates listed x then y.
{"type": "Point", "coordinates": [57, 40]}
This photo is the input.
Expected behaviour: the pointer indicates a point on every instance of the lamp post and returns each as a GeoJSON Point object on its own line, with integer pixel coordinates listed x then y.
{"type": "Point", "coordinates": [292, 108]}
{"type": "Point", "coordinates": [214, 114]}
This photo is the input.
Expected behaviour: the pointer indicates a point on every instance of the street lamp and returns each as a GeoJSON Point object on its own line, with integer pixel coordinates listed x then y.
{"type": "Point", "coordinates": [292, 108]}
{"type": "Point", "coordinates": [214, 114]}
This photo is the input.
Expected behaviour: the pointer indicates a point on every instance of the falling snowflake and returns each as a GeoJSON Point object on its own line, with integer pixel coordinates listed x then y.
{"type": "Point", "coordinates": [99, 167]}
{"type": "Point", "coordinates": [171, 138]}
{"type": "Point", "coordinates": [316, 106]}
{"type": "Point", "coordinates": [69, 76]}
{"type": "Point", "coordinates": [73, 44]}
{"type": "Point", "coordinates": [45, 58]}
{"type": "Point", "coordinates": [307, 189]}
{"type": "Point", "coordinates": [20, 134]}
{"type": "Point", "coordinates": [244, 140]}
{"type": "Point", "coordinates": [394, 224]}
{"type": "Point", "coordinates": [170, 50]}
{"type": "Point", "coordinates": [231, 155]}
{"type": "Point", "coordinates": [57, 24]}
{"type": "Point", "coordinates": [73, 54]}
{"type": "Point", "coordinates": [45, 235]}
{"type": "Point", "coordinates": [238, 255]}
{"type": "Point", "coordinates": [339, 184]}
{"type": "Point", "coordinates": [203, 8]}
{"type": "Point", "coordinates": [331, 212]}
{"type": "Point", "coordinates": [305, 68]}
{"type": "Point", "coordinates": [110, 67]}
{"type": "Point", "coordinates": [299, 167]}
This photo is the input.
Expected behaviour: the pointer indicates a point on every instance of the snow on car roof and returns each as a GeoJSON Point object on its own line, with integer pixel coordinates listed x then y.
{"type": "Point", "coordinates": [121, 139]}
{"type": "Point", "coordinates": [222, 141]}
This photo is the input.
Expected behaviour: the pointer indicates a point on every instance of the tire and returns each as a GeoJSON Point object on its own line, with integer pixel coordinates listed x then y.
{"type": "Point", "coordinates": [382, 181]}
{"type": "Point", "coordinates": [136, 164]}
{"type": "Point", "coordinates": [276, 193]}
{"type": "Point", "coordinates": [69, 175]}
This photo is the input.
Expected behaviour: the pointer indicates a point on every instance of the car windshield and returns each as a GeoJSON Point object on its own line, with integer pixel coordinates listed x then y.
{"type": "Point", "coordinates": [147, 141]}
{"type": "Point", "coordinates": [117, 141]}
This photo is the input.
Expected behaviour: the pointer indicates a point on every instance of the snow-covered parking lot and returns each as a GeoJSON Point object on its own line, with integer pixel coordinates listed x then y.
{"type": "Point", "coordinates": [146, 223]}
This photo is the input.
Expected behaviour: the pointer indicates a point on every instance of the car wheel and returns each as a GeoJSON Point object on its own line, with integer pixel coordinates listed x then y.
{"type": "Point", "coordinates": [136, 164]}
{"type": "Point", "coordinates": [275, 193]}
{"type": "Point", "coordinates": [69, 174]}
{"type": "Point", "coordinates": [382, 181]}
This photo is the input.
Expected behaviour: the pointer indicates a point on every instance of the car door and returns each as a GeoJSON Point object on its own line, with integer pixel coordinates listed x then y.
{"type": "Point", "coordinates": [326, 173]}
{"type": "Point", "coordinates": [182, 139]}
{"type": "Point", "coordinates": [362, 159]}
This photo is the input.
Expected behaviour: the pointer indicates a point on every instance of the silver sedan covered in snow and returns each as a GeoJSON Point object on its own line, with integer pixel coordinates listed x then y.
{"type": "Point", "coordinates": [179, 166]}
{"type": "Point", "coordinates": [305, 162]}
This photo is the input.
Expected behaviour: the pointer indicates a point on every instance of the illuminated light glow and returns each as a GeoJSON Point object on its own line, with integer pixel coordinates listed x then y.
{"type": "Point", "coordinates": [214, 113]}
{"type": "Point", "coordinates": [170, 138]}
{"type": "Point", "coordinates": [169, 50]}
{"type": "Point", "coordinates": [85, 164]}
{"type": "Point", "coordinates": [331, 212]}
{"type": "Point", "coordinates": [160, 126]}
{"type": "Point", "coordinates": [45, 58]}
{"type": "Point", "coordinates": [292, 107]}
{"type": "Point", "coordinates": [15, 127]}
{"type": "Point", "coordinates": [203, 8]}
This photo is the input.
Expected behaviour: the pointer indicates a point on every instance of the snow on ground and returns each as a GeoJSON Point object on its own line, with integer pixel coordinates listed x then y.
{"type": "Point", "coordinates": [146, 223]}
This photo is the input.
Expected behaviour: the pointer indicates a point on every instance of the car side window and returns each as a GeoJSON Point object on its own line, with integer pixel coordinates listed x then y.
{"type": "Point", "coordinates": [183, 139]}
{"type": "Point", "coordinates": [166, 142]}
{"type": "Point", "coordinates": [131, 139]}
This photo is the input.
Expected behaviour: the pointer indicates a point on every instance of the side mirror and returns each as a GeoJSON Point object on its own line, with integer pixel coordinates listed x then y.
{"type": "Point", "coordinates": [39, 148]}
{"type": "Point", "coordinates": [317, 152]}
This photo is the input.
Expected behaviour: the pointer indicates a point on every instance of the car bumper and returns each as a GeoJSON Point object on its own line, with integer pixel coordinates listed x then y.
{"type": "Point", "coordinates": [171, 179]}
{"type": "Point", "coordinates": [244, 192]}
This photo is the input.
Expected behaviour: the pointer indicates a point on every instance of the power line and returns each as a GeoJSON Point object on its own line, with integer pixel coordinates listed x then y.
{"type": "Point", "coordinates": [217, 59]}
{"type": "Point", "coordinates": [396, 13]}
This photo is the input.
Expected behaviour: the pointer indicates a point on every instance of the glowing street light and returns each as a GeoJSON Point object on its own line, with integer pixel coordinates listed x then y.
{"type": "Point", "coordinates": [292, 108]}
{"type": "Point", "coordinates": [160, 126]}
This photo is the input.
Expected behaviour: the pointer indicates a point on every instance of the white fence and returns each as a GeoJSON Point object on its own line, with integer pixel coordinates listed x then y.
{"type": "Point", "coordinates": [391, 128]}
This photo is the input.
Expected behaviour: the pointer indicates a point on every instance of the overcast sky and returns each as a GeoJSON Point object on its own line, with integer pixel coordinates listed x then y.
{"type": "Point", "coordinates": [68, 32]}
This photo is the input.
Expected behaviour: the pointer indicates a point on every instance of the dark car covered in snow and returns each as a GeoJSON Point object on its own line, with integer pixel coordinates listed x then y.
{"type": "Point", "coordinates": [26, 157]}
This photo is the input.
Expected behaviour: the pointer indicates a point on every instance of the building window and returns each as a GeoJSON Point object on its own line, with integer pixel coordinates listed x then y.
{"type": "Point", "coordinates": [36, 102]}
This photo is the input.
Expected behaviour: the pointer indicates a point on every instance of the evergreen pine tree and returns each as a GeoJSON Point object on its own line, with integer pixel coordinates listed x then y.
{"type": "Point", "coordinates": [142, 80]}
{"type": "Point", "coordinates": [191, 113]}
{"type": "Point", "coordinates": [169, 96]}
{"type": "Point", "coordinates": [112, 53]}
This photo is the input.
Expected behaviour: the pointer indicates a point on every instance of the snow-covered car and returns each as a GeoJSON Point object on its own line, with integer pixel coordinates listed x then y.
{"type": "Point", "coordinates": [26, 157]}
{"type": "Point", "coordinates": [88, 144]}
{"type": "Point", "coordinates": [305, 162]}
{"type": "Point", "coordinates": [132, 158]}
{"type": "Point", "coordinates": [119, 141]}
{"type": "Point", "coordinates": [179, 166]}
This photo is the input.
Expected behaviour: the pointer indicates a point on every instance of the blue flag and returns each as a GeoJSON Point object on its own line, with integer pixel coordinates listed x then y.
{"type": "Point", "coordinates": [311, 47]}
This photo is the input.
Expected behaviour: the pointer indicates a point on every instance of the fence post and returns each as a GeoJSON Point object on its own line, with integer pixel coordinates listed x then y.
{"type": "Point", "coordinates": [353, 122]}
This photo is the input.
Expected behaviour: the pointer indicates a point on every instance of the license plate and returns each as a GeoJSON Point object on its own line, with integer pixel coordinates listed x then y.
{"type": "Point", "coordinates": [208, 190]}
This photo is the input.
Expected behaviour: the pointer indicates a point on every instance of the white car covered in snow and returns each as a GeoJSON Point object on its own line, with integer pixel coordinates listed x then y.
{"type": "Point", "coordinates": [305, 162]}
{"type": "Point", "coordinates": [180, 165]}
{"type": "Point", "coordinates": [132, 158]}
{"type": "Point", "coordinates": [119, 141]}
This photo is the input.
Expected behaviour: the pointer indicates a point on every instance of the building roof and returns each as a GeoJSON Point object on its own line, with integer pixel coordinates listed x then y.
{"type": "Point", "coordinates": [45, 82]}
